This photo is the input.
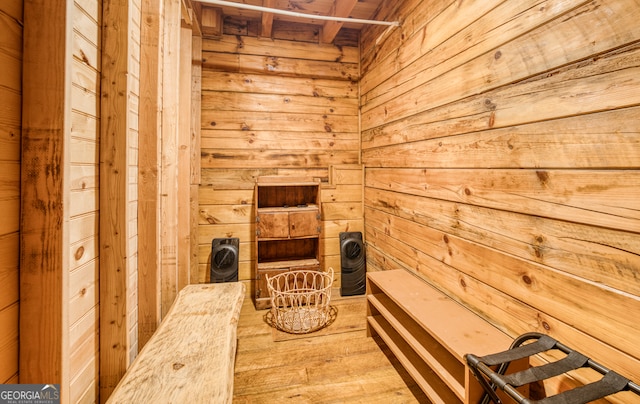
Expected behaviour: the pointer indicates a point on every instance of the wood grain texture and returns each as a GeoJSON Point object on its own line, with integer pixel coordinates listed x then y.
{"type": "Point", "coordinates": [44, 193]}
{"type": "Point", "coordinates": [83, 208]}
{"type": "Point", "coordinates": [9, 326]}
{"type": "Point", "coordinates": [170, 43]}
{"type": "Point", "coordinates": [524, 100]}
{"type": "Point", "coordinates": [118, 150]}
{"type": "Point", "coordinates": [279, 121]}
{"type": "Point", "coordinates": [149, 122]}
{"type": "Point", "coordinates": [190, 358]}
{"type": "Point", "coordinates": [312, 368]}
{"type": "Point", "coordinates": [184, 158]}
{"type": "Point", "coordinates": [250, 45]}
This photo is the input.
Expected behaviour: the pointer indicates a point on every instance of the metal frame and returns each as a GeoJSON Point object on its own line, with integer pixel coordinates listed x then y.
{"type": "Point", "coordinates": [491, 380]}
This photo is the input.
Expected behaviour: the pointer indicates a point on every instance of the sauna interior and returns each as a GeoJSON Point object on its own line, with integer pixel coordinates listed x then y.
{"type": "Point", "coordinates": [489, 149]}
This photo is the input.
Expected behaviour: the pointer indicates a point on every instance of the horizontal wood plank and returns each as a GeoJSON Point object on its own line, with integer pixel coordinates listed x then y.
{"type": "Point", "coordinates": [10, 107]}
{"type": "Point", "coordinates": [342, 193]}
{"type": "Point", "coordinates": [301, 104]}
{"type": "Point", "coordinates": [573, 195]}
{"type": "Point", "coordinates": [216, 214]}
{"type": "Point", "coordinates": [279, 65]}
{"type": "Point", "coordinates": [12, 68]}
{"type": "Point", "coordinates": [232, 120]}
{"type": "Point", "coordinates": [279, 140]}
{"type": "Point", "coordinates": [9, 269]}
{"type": "Point", "coordinates": [10, 142]}
{"type": "Point", "coordinates": [247, 45]}
{"type": "Point", "coordinates": [266, 84]}
{"type": "Point", "coordinates": [242, 158]}
{"type": "Point", "coordinates": [605, 256]}
{"type": "Point", "coordinates": [83, 290]}
{"type": "Point", "coordinates": [220, 179]}
{"type": "Point", "coordinates": [599, 140]}
{"type": "Point", "coordinates": [9, 342]}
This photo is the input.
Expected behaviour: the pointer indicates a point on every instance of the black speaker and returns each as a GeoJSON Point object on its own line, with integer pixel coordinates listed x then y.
{"type": "Point", "coordinates": [224, 259]}
{"type": "Point", "coordinates": [353, 264]}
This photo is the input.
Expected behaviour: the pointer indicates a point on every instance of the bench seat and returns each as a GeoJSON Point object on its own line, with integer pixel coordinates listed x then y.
{"type": "Point", "coordinates": [190, 357]}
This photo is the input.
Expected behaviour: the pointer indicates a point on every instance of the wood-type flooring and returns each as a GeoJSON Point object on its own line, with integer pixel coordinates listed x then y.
{"type": "Point", "coordinates": [342, 367]}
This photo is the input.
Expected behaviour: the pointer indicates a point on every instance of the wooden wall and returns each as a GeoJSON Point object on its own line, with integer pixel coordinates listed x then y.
{"type": "Point", "coordinates": [502, 162]}
{"type": "Point", "coordinates": [11, 22]}
{"type": "Point", "coordinates": [275, 107]}
{"type": "Point", "coordinates": [83, 195]}
{"type": "Point", "coordinates": [69, 145]}
{"type": "Point", "coordinates": [70, 247]}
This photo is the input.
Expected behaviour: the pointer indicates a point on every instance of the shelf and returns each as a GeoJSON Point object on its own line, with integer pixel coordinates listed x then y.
{"type": "Point", "coordinates": [423, 375]}
{"type": "Point", "coordinates": [430, 333]}
{"type": "Point", "coordinates": [288, 226]}
{"type": "Point", "coordinates": [293, 264]}
{"type": "Point", "coordinates": [287, 209]}
{"type": "Point", "coordinates": [439, 360]}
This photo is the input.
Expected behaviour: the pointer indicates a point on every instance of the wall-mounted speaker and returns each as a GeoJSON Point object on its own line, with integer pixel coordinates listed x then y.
{"type": "Point", "coordinates": [353, 264]}
{"type": "Point", "coordinates": [224, 259]}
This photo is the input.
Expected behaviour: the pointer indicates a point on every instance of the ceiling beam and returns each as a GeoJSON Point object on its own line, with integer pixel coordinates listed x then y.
{"type": "Point", "coordinates": [299, 15]}
{"type": "Point", "coordinates": [267, 19]}
{"type": "Point", "coordinates": [211, 22]}
{"type": "Point", "coordinates": [341, 9]}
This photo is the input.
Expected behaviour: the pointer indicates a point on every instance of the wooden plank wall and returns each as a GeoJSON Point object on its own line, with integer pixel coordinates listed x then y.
{"type": "Point", "coordinates": [83, 197]}
{"type": "Point", "coordinates": [272, 107]}
{"type": "Point", "coordinates": [79, 129]}
{"type": "Point", "coordinates": [11, 23]}
{"type": "Point", "coordinates": [502, 162]}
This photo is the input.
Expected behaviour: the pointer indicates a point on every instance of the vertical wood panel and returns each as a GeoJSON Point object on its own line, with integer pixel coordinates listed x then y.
{"type": "Point", "coordinates": [148, 172]}
{"type": "Point", "coordinates": [169, 151]}
{"type": "Point", "coordinates": [132, 175]}
{"type": "Point", "coordinates": [83, 209]}
{"type": "Point", "coordinates": [196, 112]}
{"type": "Point", "coordinates": [43, 220]}
{"type": "Point", "coordinates": [184, 158]}
{"type": "Point", "coordinates": [115, 194]}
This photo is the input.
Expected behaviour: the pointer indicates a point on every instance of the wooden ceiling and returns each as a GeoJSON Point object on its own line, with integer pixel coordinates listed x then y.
{"type": "Point", "coordinates": [325, 31]}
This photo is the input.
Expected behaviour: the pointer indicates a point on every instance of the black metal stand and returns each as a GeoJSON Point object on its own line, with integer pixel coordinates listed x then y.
{"type": "Point", "coordinates": [610, 383]}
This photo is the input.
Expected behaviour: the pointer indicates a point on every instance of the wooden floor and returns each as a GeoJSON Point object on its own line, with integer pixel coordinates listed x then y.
{"type": "Point", "coordinates": [329, 366]}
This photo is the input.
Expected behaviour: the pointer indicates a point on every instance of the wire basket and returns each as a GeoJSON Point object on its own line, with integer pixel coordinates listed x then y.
{"type": "Point", "coordinates": [300, 300]}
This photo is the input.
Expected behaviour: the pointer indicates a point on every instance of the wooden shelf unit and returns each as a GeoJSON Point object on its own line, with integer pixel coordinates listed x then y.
{"type": "Point", "coordinates": [430, 333]}
{"type": "Point", "coordinates": [288, 224]}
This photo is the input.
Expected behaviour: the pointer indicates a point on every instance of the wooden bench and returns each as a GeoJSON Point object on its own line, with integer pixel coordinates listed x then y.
{"type": "Point", "coordinates": [190, 358]}
{"type": "Point", "coordinates": [429, 333]}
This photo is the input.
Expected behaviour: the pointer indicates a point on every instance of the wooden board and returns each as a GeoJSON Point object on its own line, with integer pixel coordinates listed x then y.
{"type": "Point", "coordinates": [191, 356]}
{"type": "Point", "coordinates": [148, 175]}
{"type": "Point", "coordinates": [45, 124]}
{"type": "Point", "coordinates": [118, 213]}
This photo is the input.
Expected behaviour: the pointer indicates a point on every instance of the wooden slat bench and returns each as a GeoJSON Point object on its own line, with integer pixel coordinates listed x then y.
{"type": "Point", "coordinates": [430, 333]}
{"type": "Point", "coordinates": [190, 358]}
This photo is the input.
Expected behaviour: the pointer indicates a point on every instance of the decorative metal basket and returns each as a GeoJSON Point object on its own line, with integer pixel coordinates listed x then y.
{"type": "Point", "coordinates": [300, 300]}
